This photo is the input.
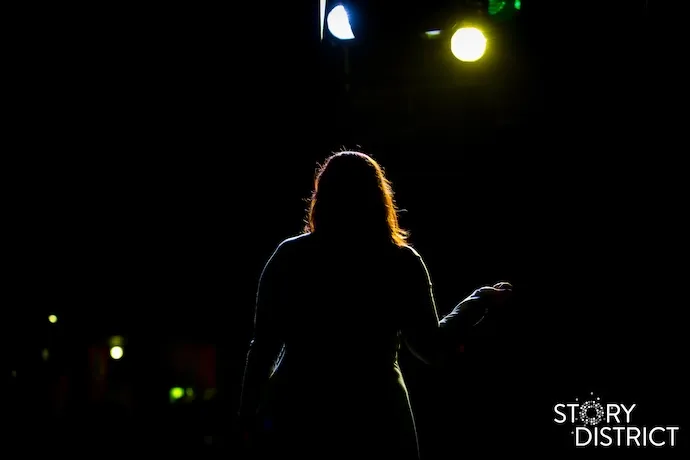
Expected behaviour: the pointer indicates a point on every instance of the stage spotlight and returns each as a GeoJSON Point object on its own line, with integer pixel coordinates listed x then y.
{"type": "Point", "coordinates": [468, 44]}
{"type": "Point", "coordinates": [339, 23]}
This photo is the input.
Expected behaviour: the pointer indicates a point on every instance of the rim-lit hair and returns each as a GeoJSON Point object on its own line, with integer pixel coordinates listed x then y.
{"type": "Point", "coordinates": [352, 196]}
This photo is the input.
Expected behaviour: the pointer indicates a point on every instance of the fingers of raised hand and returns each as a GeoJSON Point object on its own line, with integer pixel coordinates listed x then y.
{"type": "Point", "coordinates": [503, 285]}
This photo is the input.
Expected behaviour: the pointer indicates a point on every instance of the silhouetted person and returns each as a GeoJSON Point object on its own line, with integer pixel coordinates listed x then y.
{"type": "Point", "coordinates": [333, 306]}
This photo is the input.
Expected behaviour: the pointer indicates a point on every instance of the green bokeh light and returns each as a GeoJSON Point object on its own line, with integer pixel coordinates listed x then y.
{"type": "Point", "coordinates": [496, 6]}
{"type": "Point", "coordinates": [499, 7]}
{"type": "Point", "coordinates": [176, 393]}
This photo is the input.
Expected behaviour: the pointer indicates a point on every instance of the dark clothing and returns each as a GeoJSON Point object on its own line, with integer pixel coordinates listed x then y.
{"type": "Point", "coordinates": [335, 314]}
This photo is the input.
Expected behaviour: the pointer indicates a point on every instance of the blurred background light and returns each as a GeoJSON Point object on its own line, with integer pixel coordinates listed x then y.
{"type": "Point", "coordinates": [117, 344]}
{"type": "Point", "coordinates": [53, 319]}
{"type": "Point", "coordinates": [116, 352]}
{"type": "Point", "coordinates": [496, 6]}
{"type": "Point", "coordinates": [176, 393]}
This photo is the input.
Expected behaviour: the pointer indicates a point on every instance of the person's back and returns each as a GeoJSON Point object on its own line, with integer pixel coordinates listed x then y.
{"type": "Point", "coordinates": [342, 306]}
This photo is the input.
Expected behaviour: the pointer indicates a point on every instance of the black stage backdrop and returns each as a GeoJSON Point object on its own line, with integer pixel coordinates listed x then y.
{"type": "Point", "coordinates": [155, 157]}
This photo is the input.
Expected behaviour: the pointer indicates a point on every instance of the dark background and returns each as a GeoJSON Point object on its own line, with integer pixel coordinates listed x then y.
{"type": "Point", "coordinates": [156, 156]}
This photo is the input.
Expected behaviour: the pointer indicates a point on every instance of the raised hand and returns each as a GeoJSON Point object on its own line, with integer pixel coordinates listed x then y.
{"type": "Point", "coordinates": [503, 285]}
{"type": "Point", "coordinates": [493, 296]}
{"type": "Point", "coordinates": [474, 308]}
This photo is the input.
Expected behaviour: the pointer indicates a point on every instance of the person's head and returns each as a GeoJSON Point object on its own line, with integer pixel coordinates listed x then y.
{"type": "Point", "coordinates": [353, 198]}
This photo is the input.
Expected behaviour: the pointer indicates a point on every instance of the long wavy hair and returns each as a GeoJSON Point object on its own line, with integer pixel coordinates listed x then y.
{"type": "Point", "coordinates": [353, 199]}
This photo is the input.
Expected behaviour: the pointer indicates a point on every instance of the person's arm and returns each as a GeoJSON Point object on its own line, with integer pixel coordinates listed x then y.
{"type": "Point", "coordinates": [429, 339]}
{"type": "Point", "coordinates": [421, 328]}
{"type": "Point", "coordinates": [266, 342]}
{"type": "Point", "coordinates": [467, 314]}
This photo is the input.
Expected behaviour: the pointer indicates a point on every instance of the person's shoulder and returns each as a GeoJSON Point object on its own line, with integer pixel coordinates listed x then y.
{"type": "Point", "coordinates": [288, 250]}
{"type": "Point", "coordinates": [294, 243]}
{"type": "Point", "coordinates": [413, 260]}
{"type": "Point", "coordinates": [405, 257]}
{"type": "Point", "coordinates": [409, 252]}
